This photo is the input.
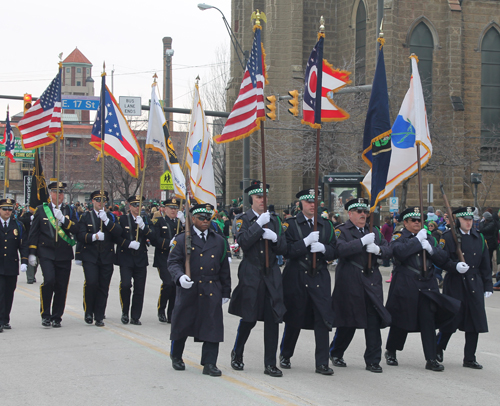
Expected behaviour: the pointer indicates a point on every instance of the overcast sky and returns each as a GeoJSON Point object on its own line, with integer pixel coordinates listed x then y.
{"type": "Point", "coordinates": [126, 34]}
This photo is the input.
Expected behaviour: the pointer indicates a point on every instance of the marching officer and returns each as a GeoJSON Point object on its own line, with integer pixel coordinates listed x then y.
{"type": "Point", "coordinates": [97, 231]}
{"type": "Point", "coordinates": [470, 282]}
{"type": "Point", "coordinates": [259, 293]}
{"type": "Point", "coordinates": [198, 308]}
{"type": "Point", "coordinates": [358, 299]}
{"type": "Point", "coordinates": [415, 302]}
{"type": "Point", "coordinates": [132, 257]}
{"type": "Point", "coordinates": [15, 239]}
{"type": "Point", "coordinates": [55, 256]}
{"type": "Point", "coordinates": [166, 228]}
{"type": "Point", "coordinates": [307, 290]}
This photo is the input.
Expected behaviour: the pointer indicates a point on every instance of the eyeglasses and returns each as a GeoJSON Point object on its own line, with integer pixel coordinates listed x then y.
{"type": "Point", "coordinates": [360, 211]}
{"type": "Point", "coordinates": [203, 217]}
{"type": "Point", "coordinates": [415, 220]}
{"type": "Point", "coordinates": [134, 204]}
{"type": "Point", "coordinates": [98, 199]}
{"type": "Point", "coordinates": [7, 209]}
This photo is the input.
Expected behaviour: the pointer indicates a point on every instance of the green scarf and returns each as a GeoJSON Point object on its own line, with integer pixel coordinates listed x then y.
{"type": "Point", "coordinates": [53, 220]}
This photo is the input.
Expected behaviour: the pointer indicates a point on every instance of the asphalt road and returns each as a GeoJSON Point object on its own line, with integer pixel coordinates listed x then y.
{"type": "Point", "coordinates": [121, 364]}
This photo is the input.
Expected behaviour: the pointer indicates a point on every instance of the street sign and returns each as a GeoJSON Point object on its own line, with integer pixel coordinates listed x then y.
{"type": "Point", "coordinates": [163, 195]}
{"type": "Point", "coordinates": [166, 181]}
{"type": "Point", "coordinates": [27, 189]}
{"type": "Point", "coordinates": [131, 106]}
{"type": "Point", "coordinates": [393, 204]}
{"type": "Point", "coordinates": [19, 152]}
{"type": "Point", "coordinates": [80, 102]}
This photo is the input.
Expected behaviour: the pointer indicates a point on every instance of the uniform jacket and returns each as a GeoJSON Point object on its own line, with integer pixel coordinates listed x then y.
{"type": "Point", "coordinates": [299, 284]}
{"type": "Point", "coordinates": [125, 255]}
{"type": "Point", "coordinates": [14, 239]}
{"type": "Point", "coordinates": [253, 280]}
{"type": "Point", "coordinates": [41, 238]}
{"type": "Point", "coordinates": [354, 282]}
{"type": "Point", "coordinates": [469, 287]}
{"type": "Point", "coordinates": [198, 310]}
{"type": "Point", "coordinates": [408, 283]}
{"type": "Point", "coordinates": [91, 251]}
{"type": "Point", "coordinates": [164, 229]}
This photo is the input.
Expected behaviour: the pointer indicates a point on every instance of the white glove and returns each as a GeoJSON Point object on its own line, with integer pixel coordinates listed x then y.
{"type": "Point", "coordinates": [462, 267]}
{"type": "Point", "coordinates": [486, 294]}
{"type": "Point", "coordinates": [104, 217]}
{"type": "Point", "coordinates": [171, 242]}
{"type": "Point", "coordinates": [373, 248]}
{"type": "Point", "coordinates": [24, 267]}
{"type": "Point", "coordinates": [58, 215]}
{"type": "Point", "coordinates": [368, 239]}
{"type": "Point", "coordinates": [140, 222]}
{"type": "Point", "coordinates": [78, 262]}
{"type": "Point", "coordinates": [134, 245]}
{"type": "Point", "coordinates": [427, 246]}
{"type": "Point", "coordinates": [229, 259]}
{"type": "Point", "coordinates": [269, 235]}
{"type": "Point", "coordinates": [98, 236]}
{"type": "Point", "coordinates": [32, 260]}
{"type": "Point", "coordinates": [318, 247]}
{"type": "Point", "coordinates": [31, 219]}
{"type": "Point", "coordinates": [185, 281]}
{"type": "Point", "coordinates": [225, 300]}
{"type": "Point", "coordinates": [422, 235]}
{"type": "Point", "coordinates": [181, 217]}
{"type": "Point", "coordinates": [264, 218]}
{"type": "Point", "coordinates": [312, 237]}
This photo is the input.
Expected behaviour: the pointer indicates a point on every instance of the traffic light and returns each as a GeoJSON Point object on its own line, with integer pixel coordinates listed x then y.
{"type": "Point", "coordinates": [271, 107]}
{"type": "Point", "coordinates": [27, 99]}
{"type": "Point", "coordinates": [294, 102]}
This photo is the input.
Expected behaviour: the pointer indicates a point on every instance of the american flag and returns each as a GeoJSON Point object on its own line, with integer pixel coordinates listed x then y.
{"type": "Point", "coordinates": [248, 110]}
{"type": "Point", "coordinates": [119, 140]}
{"type": "Point", "coordinates": [8, 139]}
{"type": "Point", "coordinates": [42, 122]}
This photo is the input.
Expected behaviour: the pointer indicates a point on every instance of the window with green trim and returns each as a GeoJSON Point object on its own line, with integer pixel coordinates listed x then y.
{"type": "Point", "coordinates": [422, 45]}
{"type": "Point", "coordinates": [360, 66]}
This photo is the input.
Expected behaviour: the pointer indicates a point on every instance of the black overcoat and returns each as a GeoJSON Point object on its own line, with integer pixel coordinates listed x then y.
{"type": "Point", "coordinates": [354, 281]}
{"type": "Point", "coordinates": [164, 229]}
{"type": "Point", "coordinates": [14, 240]}
{"type": "Point", "coordinates": [125, 255]}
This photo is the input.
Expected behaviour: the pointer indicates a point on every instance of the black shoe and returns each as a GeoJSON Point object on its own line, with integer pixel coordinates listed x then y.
{"type": "Point", "coordinates": [169, 320]}
{"type": "Point", "coordinates": [1, 329]}
{"type": "Point", "coordinates": [56, 324]}
{"type": "Point", "coordinates": [99, 323]}
{"type": "Point", "coordinates": [285, 362]}
{"type": "Point", "coordinates": [162, 317]}
{"type": "Point", "coordinates": [137, 322]}
{"type": "Point", "coordinates": [125, 318]}
{"type": "Point", "coordinates": [30, 282]}
{"type": "Point", "coordinates": [467, 364]}
{"type": "Point", "coordinates": [46, 322]}
{"type": "Point", "coordinates": [433, 365]}
{"type": "Point", "coordinates": [439, 355]}
{"type": "Point", "coordinates": [390, 358]}
{"type": "Point", "coordinates": [237, 361]}
{"type": "Point", "coordinates": [324, 370]}
{"type": "Point", "coordinates": [212, 370]}
{"type": "Point", "coordinates": [271, 370]}
{"type": "Point", "coordinates": [374, 368]}
{"type": "Point", "coordinates": [178, 364]}
{"type": "Point", "coordinates": [88, 318]}
{"type": "Point", "coordinates": [338, 362]}
{"type": "Point", "coordinates": [7, 326]}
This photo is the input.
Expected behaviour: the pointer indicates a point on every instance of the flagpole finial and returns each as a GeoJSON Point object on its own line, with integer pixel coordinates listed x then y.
{"type": "Point", "coordinates": [60, 57]}
{"type": "Point", "coordinates": [414, 57]}
{"type": "Point", "coordinates": [322, 25]}
{"type": "Point", "coordinates": [197, 79]}
{"type": "Point", "coordinates": [257, 16]}
{"type": "Point", "coordinates": [155, 76]}
{"type": "Point", "coordinates": [381, 34]}
{"type": "Point", "coordinates": [103, 69]}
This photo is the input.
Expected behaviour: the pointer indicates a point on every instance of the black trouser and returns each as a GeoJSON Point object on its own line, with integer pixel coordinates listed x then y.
{"type": "Point", "coordinates": [470, 347]}
{"type": "Point", "coordinates": [373, 339]}
{"type": "Point", "coordinates": [54, 288]}
{"type": "Point", "coordinates": [96, 288]}
{"type": "Point", "coordinates": [167, 293]}
{"type": "Point", "coordinates": [209, 351]}
{"type": "Point", "coordinates": [31, 272]}
{"type": "Point", "coordinates": [139, 276]}
{"type": "Point", "coordinates": [426, 320]}
{"type": "Point", "coordinates": [321, 338]}
{"type": "Point", "coordinates": [271, 332]}
{"type": "Point", "coordinates": [7, 287]}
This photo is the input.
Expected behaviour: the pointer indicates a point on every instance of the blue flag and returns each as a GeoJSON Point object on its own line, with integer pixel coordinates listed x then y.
{"type": "Point", "coordinates": [377, 134]}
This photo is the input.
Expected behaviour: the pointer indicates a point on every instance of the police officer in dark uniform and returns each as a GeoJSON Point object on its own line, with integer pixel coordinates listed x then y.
{"type": "Point", "coordinates": [259, 293]}
{"type": "Point", "coordinates": [54, 256]}
{"type": "Point", "coordinates": [166, 227]}
{"type": "Point", "coordinates": [307, 290]}
{"type": "Point", "coordinates": [470, 282]}
{"type": "Point", "coordinates": [415, 302]}
{"type": "Point", "coordinates": [358, 299]}
{"type": "Point", "coordinates": [14, 240]}
{"type": "Point", "coordinates": [198, 307]}
{"type": "Point", "coordinates": [132, 257]}
{"type": "Point", "coordinates": [97, 233]}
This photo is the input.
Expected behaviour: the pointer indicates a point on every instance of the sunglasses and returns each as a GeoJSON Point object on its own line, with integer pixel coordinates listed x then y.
{"type": "Point", "coordinates": [134, 204]}
{"type": "Point", "coordinates": [7, 209]}
{"type": "Point", "coordinates": [98, 199]}
{"type": "Point", "coordinates": [361, 211]}
{"type": "Point", "coordinates": [203, 217]}
{"type": "Point", "coordinates": [415, 220]}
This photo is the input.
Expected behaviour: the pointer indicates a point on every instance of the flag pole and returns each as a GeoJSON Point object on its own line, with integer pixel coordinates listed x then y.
{"type": "Point", "coordinates": [421, 198]}
{"type": "Point", "coordinates": [6, 160]}
{"type": "Point", "coordinates": [103, 130]}
{"type": "Point", "coordinates": [142, 190]}
{"type": "Point", "coordinates": [58, 138]}
{"type": "Point", "coordinates": [264, 188]}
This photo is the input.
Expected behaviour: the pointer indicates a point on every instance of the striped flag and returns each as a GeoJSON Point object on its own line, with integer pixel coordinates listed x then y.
{"type": "Point", "coordinates": [248, 110]}
{"type": "Point", "coordinates": [8, 139]}
{"type": "Point", "coordinates": [119, 140]}
{"type": "Point", "coordinates": [42, 122]}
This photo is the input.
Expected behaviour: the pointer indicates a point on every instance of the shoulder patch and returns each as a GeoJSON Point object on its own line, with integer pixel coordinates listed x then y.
{"type": "Point", "coordinates": [337, 232]}
{"type": "Point", "coordinates": [239, 223]}
{"type": "Point", "coordinates": [173, 245]}
{"type": "Point", "coordinates": [154, 220]}
{"type": "Point", "coordinates": [442, 243]}
{"type": "Point", "coordinates": [395, 236]}
{"type": "Point", "coordinates": [285, 225]}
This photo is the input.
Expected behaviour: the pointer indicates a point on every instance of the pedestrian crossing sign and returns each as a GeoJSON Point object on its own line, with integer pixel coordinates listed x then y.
{"type": "Point", "coordinates": [166, 181]}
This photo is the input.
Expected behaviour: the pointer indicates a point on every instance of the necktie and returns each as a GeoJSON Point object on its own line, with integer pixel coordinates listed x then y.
{"type": "Point", "coordinates": [202, 236]}
{"type": "Point", "coordinates": [310, 223]}
{"type": "Point", "coordinates": [5, 225]}
{"type": "Point", "coordinates": [361, 231]}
